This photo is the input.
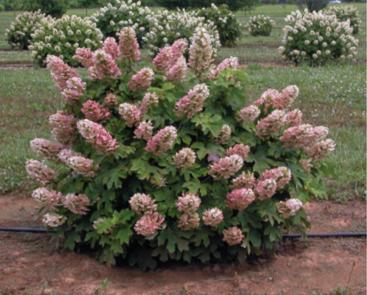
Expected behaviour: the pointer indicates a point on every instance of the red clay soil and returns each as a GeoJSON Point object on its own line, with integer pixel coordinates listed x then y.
{"type": "Point", "coordinates": [30, 263]}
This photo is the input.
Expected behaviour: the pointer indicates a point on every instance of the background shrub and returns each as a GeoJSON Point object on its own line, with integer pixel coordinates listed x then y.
{"type": "Point", "coordinates": [111, 18]}
{"type": "Point", "coordinates": [168, 26]}
{"type": "Point", "coordinates": [226, 22]}
{"type": "Point", "coordinates": [61, 37]}
{"type": "Point", "coordinates": [19, 33]}
{"type": "Point", "coordinates": [316, 38]}
{"type": "Point", "coordinates": [232, 4]}
{"type": "Point", "coordinates": [55, 8]}
{"type": "Point", "coordinates": [313, 5]}
{"type": "Point", "coordinates": [344, 13]}
{"type": "Point", "coordinates": [163, 164]}
{"type": "Point", "coordinates": [260, 25]}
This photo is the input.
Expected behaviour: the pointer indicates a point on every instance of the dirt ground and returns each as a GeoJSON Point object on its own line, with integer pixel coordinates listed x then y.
{"type": "Point", "coordinates": [29, 263]}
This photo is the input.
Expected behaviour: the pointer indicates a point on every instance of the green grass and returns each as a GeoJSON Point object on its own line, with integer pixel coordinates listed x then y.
{"type": "Point", "coordinates": [27, 96]}
{"type": "Point", "coordinates": [21, 56]}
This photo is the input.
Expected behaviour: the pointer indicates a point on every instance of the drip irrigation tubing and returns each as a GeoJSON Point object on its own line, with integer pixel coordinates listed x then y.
{"type": "Point", "coordinates": [40, 230]}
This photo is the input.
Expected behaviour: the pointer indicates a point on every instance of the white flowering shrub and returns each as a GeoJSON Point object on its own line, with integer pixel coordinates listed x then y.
{"type": "Point", "coordinates": [62, 37]}
{"type": "Point", "coordinates": [111, 18]}
{"type": "Point", "coordinates": [162, 160]}
{"type": "Point", "coordinates": [228, 26]}
{"type": "Point", "coordinates": [260, 25]}
{"type": "Point", "coordinates": [316, 38]}
{"type": "Point", "coordinates": [345, 13]}
{"type": "Point", "coordinates": [167, 26]}
{"type": "Point", "coordinates": [25, 24]}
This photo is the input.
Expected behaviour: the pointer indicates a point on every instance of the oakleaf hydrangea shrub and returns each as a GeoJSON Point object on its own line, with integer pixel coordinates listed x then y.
{"type": "Point", "coordinates": [111, 18]}
{"type": "Point", "coordinates": [345, 13]}
{"type": "Point", "coordinates": [62, 37]}
{"type": "Point", "coordinates": [316, 38]}
{"type": "Point", "coordinates": [25, 24]}
{"type": "Point", "coordinates": [164, 160]}
{"type": "Point", "coordinates": [226, 22]}
{"type": "Point", "coordinates": [260, 25]}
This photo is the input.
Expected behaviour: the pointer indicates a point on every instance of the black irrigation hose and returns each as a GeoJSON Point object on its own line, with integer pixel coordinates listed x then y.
{"type": "Point", "coordinates": [40, 230]}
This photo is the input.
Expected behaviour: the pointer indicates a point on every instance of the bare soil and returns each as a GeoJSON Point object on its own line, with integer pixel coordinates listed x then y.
{"type": "Point", "coordinates": [30, 263]}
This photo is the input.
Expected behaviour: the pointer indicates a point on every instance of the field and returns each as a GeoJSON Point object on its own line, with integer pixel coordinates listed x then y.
{"type": "Point", "coordinates": [333, 95]}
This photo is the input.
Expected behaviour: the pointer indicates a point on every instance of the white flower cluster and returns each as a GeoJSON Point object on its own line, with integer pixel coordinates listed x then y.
{"type": "Point", "coordinates": [63, 36]}
{"type": "Point", "coordinates": [316, 37]}
{"type": "Point", "coordinates": [25, 24]}
{"type": "Point", "coordinates": [154, 29]}
{"type": "Point", "coordinates": [260, 25]}
{"type": "Point", "coordinates": [111, 18]}
{"type": "Point", "coordinates": [344, 13]}
{"type": "Point", "coordinates": [168, 26]}
{"type": "Point", "coordinates": [227, 24]}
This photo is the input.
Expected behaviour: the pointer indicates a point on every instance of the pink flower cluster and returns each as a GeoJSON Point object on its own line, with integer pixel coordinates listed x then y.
{"type": "Point", "coordinates": [84, 56]}
{"type": "Point", "coordinates": [48, 198]}
{"type": "Point", "coordinates": [97, 135]}
{"type": "Point", "coordinates": [149, 224]}
{"type": "Point", "coordinates": [213, 217]}
{"type": "Point", "coordinates": [233, 236]}
{"type": "Point", "coordinates": [77, 203]}
{"type": "Point", "coordinates": [171, 61]}
{"type": "Point", "coordinates": [110, 99]}
{"type": "Point", "coordinates": [40, 171]}
{"type": "Point", "coordinates": [60, 71]}
{"type": "Point", "coordinates": [239, 199]}
{"type": "Point", "coordinates": [144, 130]}
{"type": "Point", "coordinates": [141, 80]}
{"type": "Point", "coordinates": [130, 113]}
{"type": "Point", "coordinates": [104, 66]}
{"type": "Point", "coordinates": [178, 71]}
{"type": "Point", "coordinates": [244, 180]}
{"type": "Point", "coordinates": [46, 148]}
{"type": "Point", "coordinates": [271, 124]}
{"type": "Point", "coordinates": [193, 102]}
{"type": "Point", "coordinates": [239, 149]}
{"type": "Point", "coordinates": [272, 98]}
{"type": "Point", "coordinates": [53, 219]}
{"type": "Point", "coordinates": [65, 154]}
{"type": "Point", "coordinates": [111, 47]}
{"type": "Point", "coordinates": [149, 99]}
{"type": "Point", "coordinates": [320, 149]}
{"type": "Point", "coordinates": [189, 221]}
{"type": "Point", "coordinates": [184, 158]}
{"type": "Point", "coordinates": [201, 52]}
{"type": "Point", "coordinates": [142, 204]}
{"type": "Point", "coordinates": [228, 63]}
{"type": "Point", "coordinates": [81, 165]}
{"type": "Point", "coordinates": [310, 139]}
{"type": "Point", "coordinates": [272, 180]}
{"type": "Point", "coordinates": [226, 167]}
{"type": "Point", "coordinates": [224, 134]}
{"type": "Point", "coordinates": [281, 175]}
{"type": "Point", "coordinates": [94, 111]}
{"type": "Point", "coordinates": [129, 46]}
{"type": "Point", "coordinates": [162, 141]}
{"type": "Point", "coordinates": [188, 202]}
{"type": "Point", "coordinates": [249, 114]}
{"type": "Point", "coordinates": [63, 127]}
{"type": "Point", "coordinates": [290, 207]}
{"type": "Point", "coordinates": [74, 89]}
{"type": "Point", "coordinates": [266, 188]}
